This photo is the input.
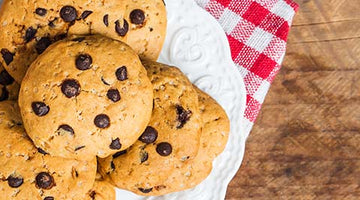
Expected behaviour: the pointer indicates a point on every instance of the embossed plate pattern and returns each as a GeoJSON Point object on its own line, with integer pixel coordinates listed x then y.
{"type": "Point", "coordinates": [197, 44]}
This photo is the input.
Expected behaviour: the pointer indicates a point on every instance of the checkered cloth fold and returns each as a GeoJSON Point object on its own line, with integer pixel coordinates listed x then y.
{"type": "Point", "coordinates": [257, 31]}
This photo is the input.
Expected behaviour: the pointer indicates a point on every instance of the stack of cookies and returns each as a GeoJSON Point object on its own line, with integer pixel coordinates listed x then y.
{"type": "Point", "coordinates": [85, 107]}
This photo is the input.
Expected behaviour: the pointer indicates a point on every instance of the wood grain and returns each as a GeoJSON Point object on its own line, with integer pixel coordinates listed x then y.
{"type": "Point", "coordinates": [306, 141]}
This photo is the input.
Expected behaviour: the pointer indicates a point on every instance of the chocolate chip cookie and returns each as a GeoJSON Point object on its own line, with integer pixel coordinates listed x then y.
{"type": "Point", "coordinates": [9, 89]}
{"type": "Point", "coordinates": [214, 137]}
{"type": "Point", "coordinates": [29, 27]}
{"type": "Point", "coordinates": [171, 138]}
{"type": "Point", "coordinates": [30, 172]}
{"type": "Point", "coordinates": [86, 97]}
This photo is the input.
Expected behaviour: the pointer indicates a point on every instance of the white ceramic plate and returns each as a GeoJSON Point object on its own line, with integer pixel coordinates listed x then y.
{"type": "Point", "coordinates": [197, 44]}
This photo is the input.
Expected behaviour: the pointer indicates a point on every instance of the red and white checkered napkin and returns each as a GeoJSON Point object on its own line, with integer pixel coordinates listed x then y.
{"type": "Point", "coordinates": [257, 31]}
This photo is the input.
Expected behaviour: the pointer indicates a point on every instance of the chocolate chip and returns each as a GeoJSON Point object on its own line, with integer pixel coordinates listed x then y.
{"type": "Point", "coordinates": [66, 128]}
{"type": "Point", "coordinates": [164, 149]}
{"type": "Point", "coordinates": [144, 156]}
{"type": "Point", "coordinates": [40, 109]}
{"type": "Point", "coordinates": [68, 13]}
{"type": "Point", "coordinates": [41, 11]}
{"type": "Point", "coordinates": [70, 88]}
{"type": "Point", "coordinates": [51, 23]}
{"type": "Point", "coordinates": [78, 148]}
{"type": "Point", "coordinates": [15, 182]}
{"type": "Point", "coordinates": [120, 153]}
{"type": "Point", "coordinates": [5, 78]}
{"type": "Point", "coordinates": [115, 144]}
{"type": "Point", "coordinates": [42, 44]}
{"type": "Point", "coordinates": [149, 136]}
{"type": "Point", "coordinates": [83, 62]}
{"type": "Point", "coordinates": [49, 198]}
{"type": "Point", "coordinates": [102, 121]}
{"type": "Point", "coordinates": [151, 29]}
{"type": "Point", "coordinates": [137, 16]}
{"type": "Point", "coordinates": [121, 73]}
{"type": "Point", "coordinates": [164, 2]}
{"type": "Point", "coordinates": [183, 116]}
{"type": "Point", "coordinates": [106, 20]}
{"type": "Point", "coordinates": [40, 150]}
{"type": "Point", "coordinates": [144, 190]}
{"type": "Point", "coordinates": [86, 14]}
{"type": "Point", "coordinates": [30, 34]}
{"type": "Point", "coordinates": [4, 94]}
{"type": "Point", "coordinates": [7, 56]}
{"type": "Point", "coordinates": [92, 195]}
{"type": "Point", "coordinates": [80, 39]}
{"type": "Point", "coordinates": [114, 95]}
{"type": "Point", "coordinates": [44, 181]}
{"type": "Point", "coordinates": [121, 30]}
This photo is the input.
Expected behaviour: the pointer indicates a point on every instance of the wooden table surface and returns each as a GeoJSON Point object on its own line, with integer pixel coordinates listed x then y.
{"type": "Point", "coordinates": [306, 141]}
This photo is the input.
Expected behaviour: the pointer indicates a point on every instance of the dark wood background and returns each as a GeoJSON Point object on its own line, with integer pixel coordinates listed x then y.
{"type": "Point", "coordinates": [306, 141]}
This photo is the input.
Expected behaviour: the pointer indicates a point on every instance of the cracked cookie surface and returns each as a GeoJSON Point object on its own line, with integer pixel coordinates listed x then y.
{"type": "Point", "coordinates": [26, 171]}
{"type": "Point", "coordinates": [170, 140]}
{"type": "Point", "coordinates": [29, 27]}
{"type": "Point", "coordinates": [86, 97]}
